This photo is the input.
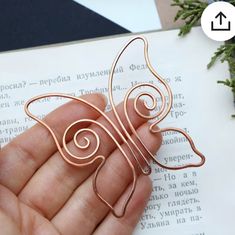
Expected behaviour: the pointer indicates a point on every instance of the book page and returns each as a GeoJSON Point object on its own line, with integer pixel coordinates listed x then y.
{"type": "Point", "coordinates": [194, 201]}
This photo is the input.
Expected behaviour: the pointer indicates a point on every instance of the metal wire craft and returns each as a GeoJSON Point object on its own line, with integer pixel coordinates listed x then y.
{"type": "Point", "coordinates": [127, 139]}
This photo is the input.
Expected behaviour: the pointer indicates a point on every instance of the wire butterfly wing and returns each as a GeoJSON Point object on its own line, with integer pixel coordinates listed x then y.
{"type": "Point", "coordinates": [82, 161]}
{"type": "Point", "coordinates": [157, 117]}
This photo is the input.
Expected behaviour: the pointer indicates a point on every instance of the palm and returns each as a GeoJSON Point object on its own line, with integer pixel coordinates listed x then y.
{"type": "Point", "coordinates": [41, 194]}
{"type": "Point", "coordinates": [12, 207]}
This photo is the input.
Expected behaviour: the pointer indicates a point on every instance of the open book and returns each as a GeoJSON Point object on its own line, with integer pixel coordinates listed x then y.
{"type": "Point", "coordinates": [197, 201]}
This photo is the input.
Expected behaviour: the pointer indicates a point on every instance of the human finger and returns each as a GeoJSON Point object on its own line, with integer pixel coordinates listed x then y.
{"type": "Point", "coordinates": [57, 177]}
{"type": "Point", "coordinates": [114, 178]}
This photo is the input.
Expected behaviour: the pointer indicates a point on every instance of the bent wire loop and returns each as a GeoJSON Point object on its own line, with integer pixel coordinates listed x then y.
{"type": "Point", "coordinates": [132, 144]}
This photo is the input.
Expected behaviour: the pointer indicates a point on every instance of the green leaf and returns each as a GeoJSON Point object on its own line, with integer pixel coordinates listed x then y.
{"type": "Point", "coordinates": [190, 11]}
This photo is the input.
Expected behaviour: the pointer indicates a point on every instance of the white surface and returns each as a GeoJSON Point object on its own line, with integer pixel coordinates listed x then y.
{"type": "Point", "coordinates": [136, 16]}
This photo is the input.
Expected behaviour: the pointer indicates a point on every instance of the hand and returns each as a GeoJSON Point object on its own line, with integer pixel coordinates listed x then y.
{"type": "Point", "coordinates": [41, 194]}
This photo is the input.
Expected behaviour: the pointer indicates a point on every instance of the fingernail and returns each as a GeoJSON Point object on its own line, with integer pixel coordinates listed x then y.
{"type": "Point", "coordinates": [104, 97]}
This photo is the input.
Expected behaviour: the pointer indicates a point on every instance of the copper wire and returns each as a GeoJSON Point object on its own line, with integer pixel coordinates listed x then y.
{"type": "Point", "coordinates": [137, 150]}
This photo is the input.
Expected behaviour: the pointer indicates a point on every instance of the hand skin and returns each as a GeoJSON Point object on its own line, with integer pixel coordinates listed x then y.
{"type": "Point", "coordinates": [41, 194]}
